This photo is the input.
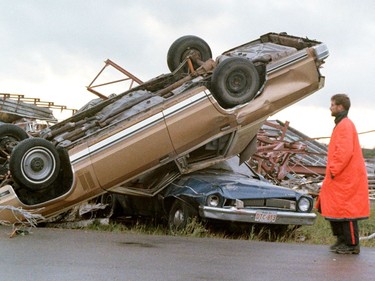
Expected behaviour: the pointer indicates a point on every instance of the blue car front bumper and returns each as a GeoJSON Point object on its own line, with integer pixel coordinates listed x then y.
{"type": "Point", "coordinates": [257, 216]}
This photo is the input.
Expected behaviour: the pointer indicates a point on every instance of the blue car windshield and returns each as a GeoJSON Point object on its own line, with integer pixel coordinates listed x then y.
{"type": "Point", "coordinates": [232, 165]}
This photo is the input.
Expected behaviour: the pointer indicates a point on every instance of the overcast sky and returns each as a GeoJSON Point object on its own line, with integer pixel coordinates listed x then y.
{"type": "Point", "coordinates": [53, 49]}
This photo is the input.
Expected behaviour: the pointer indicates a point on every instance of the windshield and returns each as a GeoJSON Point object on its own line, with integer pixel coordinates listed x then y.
{"type": "Point", "coordinates": [232, 165]}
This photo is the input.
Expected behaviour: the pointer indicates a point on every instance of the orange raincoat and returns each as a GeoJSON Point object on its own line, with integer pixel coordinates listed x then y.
{"type": "Point", "coordinates": [344, 193]}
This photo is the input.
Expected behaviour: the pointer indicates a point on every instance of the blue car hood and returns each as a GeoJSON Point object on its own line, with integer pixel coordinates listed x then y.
{"type": "Point", "coordinates": [229, 186]}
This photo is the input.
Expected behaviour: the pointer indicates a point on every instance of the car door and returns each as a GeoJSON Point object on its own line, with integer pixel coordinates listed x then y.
{"type": "Point", "coordinates": [194, 121]}
{"type": "Point", "coordinates": [132, 148]}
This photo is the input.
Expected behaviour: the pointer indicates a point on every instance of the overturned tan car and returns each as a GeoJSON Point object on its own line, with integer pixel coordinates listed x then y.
{"type": "Point", "coordinates": [201, 113]}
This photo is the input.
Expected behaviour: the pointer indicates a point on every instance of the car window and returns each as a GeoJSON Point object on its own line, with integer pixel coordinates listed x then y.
{"type": "Point", "coordinates": [232, 165]}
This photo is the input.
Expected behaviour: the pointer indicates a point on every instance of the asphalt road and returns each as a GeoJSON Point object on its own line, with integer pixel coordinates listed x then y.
{"type": "Point", "coordinates": [60, 254]}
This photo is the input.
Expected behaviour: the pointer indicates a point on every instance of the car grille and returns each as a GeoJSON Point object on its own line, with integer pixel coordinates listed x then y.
{"type": "Point", "coordinates": [270, 203]}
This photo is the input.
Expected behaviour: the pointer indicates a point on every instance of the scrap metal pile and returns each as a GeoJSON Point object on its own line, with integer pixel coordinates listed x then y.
{"type": "Point", "coordinates": [31, 114]}
{"type": "Point", "coordinates": [289, 158]}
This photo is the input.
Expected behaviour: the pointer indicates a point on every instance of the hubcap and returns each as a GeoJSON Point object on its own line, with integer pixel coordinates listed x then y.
{"type": "Point", "coordinates": [178, 218]}
{"type": "Point", "coordinates": [236, 83]}
{"type": "Point", "coordinates": [38, 165]}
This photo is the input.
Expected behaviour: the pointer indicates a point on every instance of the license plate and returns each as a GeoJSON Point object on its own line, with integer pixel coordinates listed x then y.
{"type": "Point", "coordinates": [265, 216]}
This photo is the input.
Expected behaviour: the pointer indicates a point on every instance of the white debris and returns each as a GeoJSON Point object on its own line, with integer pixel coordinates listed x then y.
{"type": "Point", "coordinates": [86, 208]}
{"type": "Point", "coordinates": [368, 237]}
{"type": "Point", "coordinates": [31, 217]}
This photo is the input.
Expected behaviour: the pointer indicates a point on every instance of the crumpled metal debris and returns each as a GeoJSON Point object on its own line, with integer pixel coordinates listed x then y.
{"type": "Point", "coordinates": [291, 159]}
{"type": "Point", "coordinates": [74, 217]}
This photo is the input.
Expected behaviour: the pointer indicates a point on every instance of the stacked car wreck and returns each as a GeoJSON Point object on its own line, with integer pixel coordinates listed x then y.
{"type": "Point", "coordinates": [204, 112]}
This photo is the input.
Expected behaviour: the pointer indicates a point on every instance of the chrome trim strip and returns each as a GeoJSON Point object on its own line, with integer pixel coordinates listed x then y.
{"type": "Point", "coordinates": [144, 124]}
{"type": "Point", "coordinates": [272, 67]}
{"type": "Point", "coordinates": [99, 146]}
{"type": "Point", "coordinates": [79, 155]}
{"type": "Point", "coordinates": [248, 215]}
{"type": "Point", "coordinates": [126, 133]}
{"type": "Point", "coordinates": [184, 104]}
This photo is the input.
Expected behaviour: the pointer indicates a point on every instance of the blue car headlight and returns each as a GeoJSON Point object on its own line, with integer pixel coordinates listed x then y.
{"type": "Point", "coordinates": [304, 204]}
{"type": "Point", "coordinates": [213, 200]}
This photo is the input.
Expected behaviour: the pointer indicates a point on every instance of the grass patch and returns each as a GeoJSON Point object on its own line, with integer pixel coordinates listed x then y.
{"type": "Point", "coordinates": [319, 233]}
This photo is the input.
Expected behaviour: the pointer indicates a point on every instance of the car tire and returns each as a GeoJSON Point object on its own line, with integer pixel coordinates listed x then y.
{"type": "Point", "coordinates": [34, 164]}
{"type": "Point", "coordinates": [10, 135]}
{"type": "Point", "coordinates": [110, 200]}
{"type": "Point", "coordinates": [180, 215]}
{"type": "Point", "coordinates": [235, 81]}
{"type": "Point", "coordinates": [181, 48]}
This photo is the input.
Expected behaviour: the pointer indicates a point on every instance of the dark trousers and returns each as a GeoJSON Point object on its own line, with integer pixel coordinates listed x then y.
{"type": "Point", "coordinates": [347, 231]}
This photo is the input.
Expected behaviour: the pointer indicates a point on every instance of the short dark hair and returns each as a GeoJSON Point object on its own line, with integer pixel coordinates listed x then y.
{"type": "Point", "coordinates": [341, 99]}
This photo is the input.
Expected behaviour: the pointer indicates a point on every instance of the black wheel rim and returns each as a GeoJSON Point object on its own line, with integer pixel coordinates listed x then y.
{"type": "Point", "coordinates": [236, 83]}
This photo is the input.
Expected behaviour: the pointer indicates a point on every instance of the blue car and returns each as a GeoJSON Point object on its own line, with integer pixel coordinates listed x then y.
{"type": "Point", "coordinates": [225, 192]}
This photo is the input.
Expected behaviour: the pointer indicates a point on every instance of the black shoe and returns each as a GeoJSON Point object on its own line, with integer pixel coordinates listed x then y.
{"type": "Point", "coordinates": [348, 250]}
{"type": "Point", "coordinates": [338, 243]}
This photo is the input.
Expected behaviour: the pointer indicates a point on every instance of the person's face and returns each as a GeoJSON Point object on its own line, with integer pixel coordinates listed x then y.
{"type": "Point", "coordinates": [335, 109]}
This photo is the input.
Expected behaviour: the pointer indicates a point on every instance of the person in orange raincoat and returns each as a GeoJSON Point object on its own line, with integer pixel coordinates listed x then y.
{"type": "Point", "coordinates": [344, 197]}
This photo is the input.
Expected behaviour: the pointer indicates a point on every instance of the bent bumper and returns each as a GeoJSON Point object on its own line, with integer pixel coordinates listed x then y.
{"type": "Point", "coordinates": [252, 216]}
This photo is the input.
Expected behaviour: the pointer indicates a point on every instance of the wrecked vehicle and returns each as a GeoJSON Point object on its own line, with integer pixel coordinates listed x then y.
{"type": "Point", "coordinates": [201, 113]}
{"type": "Point", "coordinates": [225, 192]}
